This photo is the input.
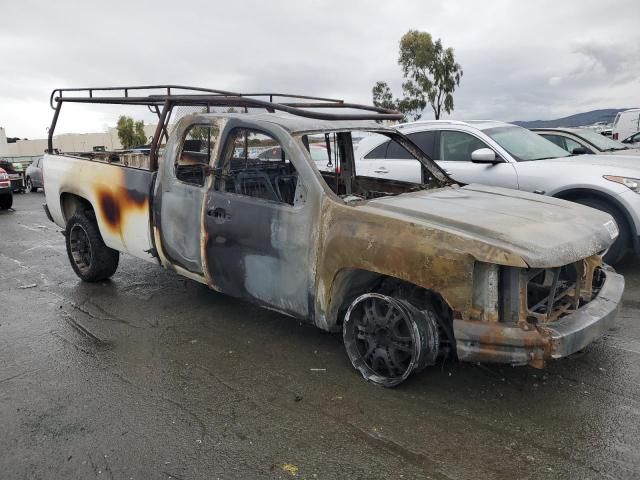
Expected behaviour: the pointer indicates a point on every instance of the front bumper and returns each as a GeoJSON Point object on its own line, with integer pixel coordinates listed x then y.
{"type": "Point", "coordinates": [478, 341]}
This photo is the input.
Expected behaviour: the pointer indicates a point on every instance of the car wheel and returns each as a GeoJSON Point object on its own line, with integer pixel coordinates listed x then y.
{"type": "Point", "coordinates": [30, 187]}
{"type": "Point", "coordinates": [6, 201]}
{"type": "Point", "coordinates": [90, 258]}
{"type": "Point", "coordinates": [388, 338]}
{"type": "Point", "coordinates": [619, 248]}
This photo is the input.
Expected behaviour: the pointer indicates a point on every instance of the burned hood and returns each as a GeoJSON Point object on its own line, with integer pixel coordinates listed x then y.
{"type": "Point", "coordinates": [543, 231]}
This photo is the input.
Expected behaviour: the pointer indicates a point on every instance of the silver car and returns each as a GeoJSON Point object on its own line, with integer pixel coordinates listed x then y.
{"type": "Point", "coordinates": [33, 176]}
{"type": "Point", "coordinates": [585, 140]}
{"type": "Point", "coordinates": [633, 141]}
{"type": "Point", "coordinates": [505, 155]}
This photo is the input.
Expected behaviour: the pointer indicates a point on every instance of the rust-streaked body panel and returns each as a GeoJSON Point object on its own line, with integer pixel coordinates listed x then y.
{"type": "Point", "coordinates": [358, 238]}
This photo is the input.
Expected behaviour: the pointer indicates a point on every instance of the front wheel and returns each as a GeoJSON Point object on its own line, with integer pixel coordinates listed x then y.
{"type": "Point", "coordinates": [618, 249]}
{"type": "Point", "coordinates": [387, 338]}
{"type": "Point", "coordinates": [90, 258]}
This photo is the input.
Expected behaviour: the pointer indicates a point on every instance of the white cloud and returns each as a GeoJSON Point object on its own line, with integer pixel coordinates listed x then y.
{"type": "Point", "coordinates": [521, 60]}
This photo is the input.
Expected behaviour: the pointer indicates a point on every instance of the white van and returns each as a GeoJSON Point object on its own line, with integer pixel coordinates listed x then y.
{"type": "Point", "coordinates": [626, 124]}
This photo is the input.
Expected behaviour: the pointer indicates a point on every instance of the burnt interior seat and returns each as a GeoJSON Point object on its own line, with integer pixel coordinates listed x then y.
{"type": "Point", "coordinates": [194, 158]}
{"type": "Point", "coordinates": [191, 173]}
{"type": "Point", "coordinates": [255, 184]}
{"type": "Point", "coordinates": [194, 152]}
{"type": "Point", "coordinates": [286, 187]}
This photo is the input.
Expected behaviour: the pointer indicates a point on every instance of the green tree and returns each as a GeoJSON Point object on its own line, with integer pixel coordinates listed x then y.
{"type": "Point", "coordinates": [431, 76]}
{"type": "Point", "coordinates": [430, 71]}
{"type": "Point", "coordinates": [130, 133]}
{"type": "Point", "coordinates": [382, 96]}
{"type": "Point", "coordinates": [202, 132]}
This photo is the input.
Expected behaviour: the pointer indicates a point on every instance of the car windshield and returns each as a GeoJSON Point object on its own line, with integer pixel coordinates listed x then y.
{"type": "Point", "coordinates": [600, 141]}
{"type": "Point", "coordinates": [319, 153]}
{"type": "Point", "coordinates": [524, 145]}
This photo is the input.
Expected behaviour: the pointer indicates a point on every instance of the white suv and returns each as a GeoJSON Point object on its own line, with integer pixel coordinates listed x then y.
{"type": "Point", "coordinates": [505, 155]}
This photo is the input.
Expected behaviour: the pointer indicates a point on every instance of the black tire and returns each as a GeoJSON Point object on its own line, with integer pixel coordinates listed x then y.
{"type": "Point", "coordinates": [620, 247]}
{"type": "Point", "coordinates": [30, 187]}
{"type": "Point", "coordinates": [387, 338]}
{"type": "Point", "coordinates": [6, 201]}
{"type": "Point", "coordinates": [90, 258]}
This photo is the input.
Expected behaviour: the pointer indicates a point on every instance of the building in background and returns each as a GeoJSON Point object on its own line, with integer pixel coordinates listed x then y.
{"type": "Point", "coordinates": [4, 147]}
{"type": "Point", "coordinates": [66, 142]}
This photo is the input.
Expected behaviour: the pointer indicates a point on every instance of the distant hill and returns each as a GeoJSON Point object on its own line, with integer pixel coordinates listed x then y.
{"type": "Point", "coordinates": [577, 120]}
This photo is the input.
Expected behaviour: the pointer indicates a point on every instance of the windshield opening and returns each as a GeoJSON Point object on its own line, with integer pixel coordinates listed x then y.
{"type": "Point", "coordinates": [333, 154]}
{"type": "Point", "coordinates": [524, 145]}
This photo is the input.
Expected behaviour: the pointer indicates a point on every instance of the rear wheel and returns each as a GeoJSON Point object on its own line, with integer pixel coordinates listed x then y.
{"type": "Point", "coordinates": [617, 251]}
{"type": "Point", "coordinates": [6, 201]}
{"type": "Point", "coordinates": [90, 258]}
{"type": "Point", "coordinates": [30, 187]}
{"type": "Point", "coordinates": [388, 338]}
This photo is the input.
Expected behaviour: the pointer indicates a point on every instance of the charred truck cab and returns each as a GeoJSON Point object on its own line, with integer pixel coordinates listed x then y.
{"type": "Point", "coordinates": [406, 272]}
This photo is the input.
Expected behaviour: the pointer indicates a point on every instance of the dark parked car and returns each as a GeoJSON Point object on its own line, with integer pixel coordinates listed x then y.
{"type": "Point", "coordinates": [33, 176]}
{"type": "Point", "coordinates": [6, 192]}
{"type": "Point", "coordinates": [16, 174]}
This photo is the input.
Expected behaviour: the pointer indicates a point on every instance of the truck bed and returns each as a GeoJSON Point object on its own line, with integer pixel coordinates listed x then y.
{"type": "Point", "coordinates": [121, 196]}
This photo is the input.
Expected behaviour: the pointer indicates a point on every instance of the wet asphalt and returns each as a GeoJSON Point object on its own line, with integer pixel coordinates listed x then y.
{"type": "Point", "coordinates": [153, 376]}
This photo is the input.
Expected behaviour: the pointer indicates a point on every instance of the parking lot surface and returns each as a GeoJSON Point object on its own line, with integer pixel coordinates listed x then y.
{"type": "Point", "coordinates": [151, 375]}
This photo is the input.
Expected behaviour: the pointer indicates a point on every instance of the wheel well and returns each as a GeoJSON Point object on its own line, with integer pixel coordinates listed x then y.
{"type": "Point", "coordinates": [574, 195]}
{"type": "Point", "coordinates": [351, 283]}
{"type": "Point", "coordinates": [72, 203]}
{"type": "Point", "coordinates": [347, 285]}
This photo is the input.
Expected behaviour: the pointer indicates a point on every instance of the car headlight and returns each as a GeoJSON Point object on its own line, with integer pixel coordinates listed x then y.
{"type": "Point", "coordinates": [631, 183]}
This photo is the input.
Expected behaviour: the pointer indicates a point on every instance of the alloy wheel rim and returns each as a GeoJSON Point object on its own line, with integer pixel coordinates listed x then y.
{"type": "Point", "coordinates": [80, 248]}
{"type": "Point", "coordinates": [382, 340]}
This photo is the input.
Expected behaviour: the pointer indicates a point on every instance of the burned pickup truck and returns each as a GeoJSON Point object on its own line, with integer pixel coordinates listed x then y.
{"type": "Point", "coordinates": [406, 271]}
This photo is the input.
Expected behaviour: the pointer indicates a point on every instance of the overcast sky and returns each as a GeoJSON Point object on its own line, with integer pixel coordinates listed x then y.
{"type": "Point", "coordinates": [521, 60]}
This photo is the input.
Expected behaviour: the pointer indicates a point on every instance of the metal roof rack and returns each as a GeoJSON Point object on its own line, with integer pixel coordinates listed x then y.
{"type": "Point", "coordinates": [180, 95]}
